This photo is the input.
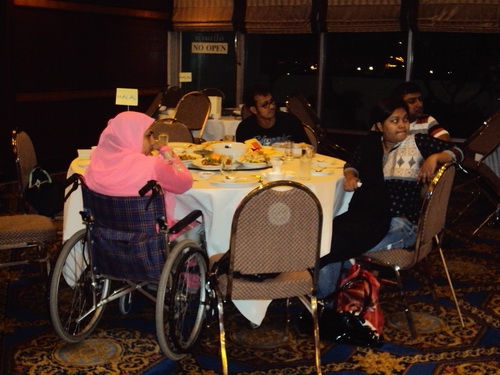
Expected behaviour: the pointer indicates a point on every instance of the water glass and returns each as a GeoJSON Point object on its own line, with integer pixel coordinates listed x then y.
{"type": "Point", "coordinates": [163, 138]}
{"type": "Point", "coordinates": [276, 163]}
{"type": "Point", "coordinates": [288, 147]}
{"type": "Point", "coordinates": [227, 167]}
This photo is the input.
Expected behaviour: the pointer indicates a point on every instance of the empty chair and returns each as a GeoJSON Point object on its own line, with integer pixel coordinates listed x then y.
{"type": "Point", "coordinates": [245, 112]}
{"type": "Point", "coordinates": [154, 107]}
{"type": "Point", "coordinates": [481, 166]}
{"type": "Point", "coordinates": [18, 232]}
{"type": "Point", "coordinates": [172, 96]}
{"type": "Point", "coordinates": [177, 131]}
{"type": "Point", "coordinates": [298, 105]}
{"type": "Point", "coordinates": [276, 234]}
{"type": "Point", "coordinates": [489, 182]}
{"type": "Point", "coordinates": [430, 228]}
{"type": "Point", "coordinates": [193, 110]}
{"type": "Point", "coordinates": [25, 159]}
{"type": "Point", "coordinates": [312, 135]}
{"type": "Point", "coordinates": [213, 91]}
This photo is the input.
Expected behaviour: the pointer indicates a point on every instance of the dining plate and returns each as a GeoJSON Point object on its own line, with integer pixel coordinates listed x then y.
{"type": "Point", "coordinates": [323, 163]}
{"type": "Point", "coordinates": [182, 145]}
{"type": "Point", "coordinates": [188, 158]}
{"type": "Point", "coordinates": [198, 163]}
{"type": "Point", "coordinates": [237, 182]}
{"type": "Point", "coordinates": [255, 165]}
{"type": "Point", "coordinates": [322, 173]}
{"type": "Point", "coordinates": [287, 176]}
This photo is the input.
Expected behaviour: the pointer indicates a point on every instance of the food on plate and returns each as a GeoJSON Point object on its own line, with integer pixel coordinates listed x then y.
{"type": "Point", "coordinates": [253, 143]}
{"type": "Point", "coordinates": [212, 159]}
{"type": "Point", "coordinates": [185, 156]}
{"type": "Point", "coordinates": [255, 156]}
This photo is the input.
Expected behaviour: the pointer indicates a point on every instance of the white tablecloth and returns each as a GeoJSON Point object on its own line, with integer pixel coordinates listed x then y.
{"type": "Point", "coordinates": [218, 205]}
{"type": "Point", "coordinates": [217, 129]}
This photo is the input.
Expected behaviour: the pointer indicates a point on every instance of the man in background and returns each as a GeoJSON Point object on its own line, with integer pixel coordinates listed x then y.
{"type": "Point", "coordinates": [267, 124]}
{"type": "Point", "coordinates": [411, 94]}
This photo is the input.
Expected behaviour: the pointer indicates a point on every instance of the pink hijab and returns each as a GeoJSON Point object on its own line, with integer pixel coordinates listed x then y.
{"type": "Point", "coordinates": [117, 166]}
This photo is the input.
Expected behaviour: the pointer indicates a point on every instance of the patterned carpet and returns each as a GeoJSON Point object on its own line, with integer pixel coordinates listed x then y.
{"type": "Point", "coordinates": [126, 345]}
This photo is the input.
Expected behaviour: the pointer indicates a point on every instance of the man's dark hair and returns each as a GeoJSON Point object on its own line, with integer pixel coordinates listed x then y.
{"type": "Point", "coordinates": [257, 89]}
{"type": "Point", "coordinates": [405, 88]}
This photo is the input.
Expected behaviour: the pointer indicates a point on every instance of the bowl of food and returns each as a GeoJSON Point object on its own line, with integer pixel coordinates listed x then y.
{"type": "Point", "coordinates": [235, 149]}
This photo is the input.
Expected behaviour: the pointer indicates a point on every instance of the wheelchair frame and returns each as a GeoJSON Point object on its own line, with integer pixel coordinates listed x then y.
{"type": "Point", "coordinates": [79, 295]}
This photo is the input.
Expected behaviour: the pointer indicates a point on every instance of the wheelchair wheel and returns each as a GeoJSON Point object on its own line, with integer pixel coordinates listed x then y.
{"type": "Point", "coordinates": [75, 292]}
{"type": "Point", "coordinates": [125, 304]}
{"type": "Point", "coordinates": [181, 299]}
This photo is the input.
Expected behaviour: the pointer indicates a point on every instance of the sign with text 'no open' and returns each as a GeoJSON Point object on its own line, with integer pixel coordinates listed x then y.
{"type": "Point", "coordinates": [209, 48]}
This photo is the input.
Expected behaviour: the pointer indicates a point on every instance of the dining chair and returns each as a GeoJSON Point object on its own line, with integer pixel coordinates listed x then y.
{"type": "Point", "coordinates": [245, 112]}
{"type": "Point", "coordinates": [155, 105]}
{"type": "Point", "coordinates": [172, 96]}
{"type": "Point", "coordinates": [429, 233]}
{"type": "Point", "coordinates": [213, 91]}
{"type": "Point", "coordinates": [312, 135]}
{"type": "Point", "coordinates": [193, 110]}
{"type": "Point", "coordinates": [300, 107]}
{"type": "Point", "coordinates": [24, 239]}
{"type": "Point", "coordinates": [481, 168]}
{"type": "Point", "coordinates": [275, 239]}
{"type": "Point", "coordinates": [25, 160]}
{"type": "Point", "coordinates": [177, 131]}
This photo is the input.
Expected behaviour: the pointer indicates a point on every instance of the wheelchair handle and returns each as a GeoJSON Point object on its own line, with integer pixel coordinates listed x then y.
{"type": "Point", "coordinates": [146, 188]}
{"type": "Point", "coordinates": [74, 179]}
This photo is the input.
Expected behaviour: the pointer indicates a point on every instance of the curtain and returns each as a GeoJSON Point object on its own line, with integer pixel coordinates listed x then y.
{"type": "Point", "coordinates": [455, 16]}
{"type": "Point", "coordinates": [302, 16]}
{"type": "Point", "coordinates": [202, 15]}
{"type": "Point", "coordinates": [277, 16]}
{"type": "Point", "coordinates": [360, 15]}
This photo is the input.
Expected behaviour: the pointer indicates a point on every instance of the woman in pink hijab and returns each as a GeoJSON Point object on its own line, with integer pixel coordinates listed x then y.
{"type": "Point", "coordinates": [122, 162]}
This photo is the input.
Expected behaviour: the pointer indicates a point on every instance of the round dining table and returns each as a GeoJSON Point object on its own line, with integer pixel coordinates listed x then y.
{"type": "Point", "coordinates": [218, 201]}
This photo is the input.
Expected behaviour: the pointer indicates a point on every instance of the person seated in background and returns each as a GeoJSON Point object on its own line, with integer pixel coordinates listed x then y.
{"type": "Point", "coordinates": [266, 124]}
{"type": "Point", "coordinates": [123, 161]}
{"type": "Point", "coordinates": [386, 173]}
{"type": "Point", "coordinates": [411, 94]}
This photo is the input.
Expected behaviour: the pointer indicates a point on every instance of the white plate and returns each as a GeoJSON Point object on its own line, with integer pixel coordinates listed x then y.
{"type": "Point", "coordinates": [198, 163]}
{"type": "Point", "coordinates": [255, 165]}
{"type": "Point", "coordinates": [205, 175]}
{"type": "Point", "coordinates": [288, 176]}
{"type": "Point", "coordinates": [182, 145]}
{"type": "Point", "coordinates": [322, 173]}
{"type": "Point", "coordinates": [237, 182]}
{"type": "Point", "coordinates": [323, 163]}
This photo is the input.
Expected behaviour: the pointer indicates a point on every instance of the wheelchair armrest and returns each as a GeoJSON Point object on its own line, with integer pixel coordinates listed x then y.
{"type": "Point", "coordinates": [184, 222]}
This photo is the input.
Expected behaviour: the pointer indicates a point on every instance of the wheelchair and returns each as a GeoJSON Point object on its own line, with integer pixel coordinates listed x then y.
{"type": "Point", "coordinates": [127, 247]}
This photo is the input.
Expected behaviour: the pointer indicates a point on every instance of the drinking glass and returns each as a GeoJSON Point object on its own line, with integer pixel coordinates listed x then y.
{"type": "Point", "coordinates": [288, 146]}
{"type": "Point", "coordinates": [163, 138]}
{"type": "Point", "coordinates": [276, 163]}
{"type": "Point", "coordinates": [227, 167]}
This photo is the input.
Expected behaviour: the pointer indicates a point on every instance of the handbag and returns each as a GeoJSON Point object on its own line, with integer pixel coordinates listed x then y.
{"type": "Point", "coordinates": [356, 317]}
{"type": "Point", "coordinates": [45, 195]}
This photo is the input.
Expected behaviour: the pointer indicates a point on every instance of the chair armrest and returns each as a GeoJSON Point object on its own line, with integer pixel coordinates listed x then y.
{"type": "Point", "coordinates": [184, 222]}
